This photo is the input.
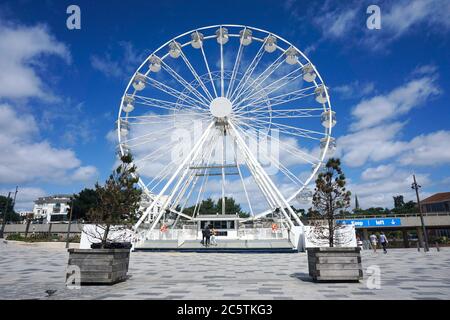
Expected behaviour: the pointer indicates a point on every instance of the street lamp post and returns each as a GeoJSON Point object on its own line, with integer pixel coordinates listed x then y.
{"type": "Point", "coordinates": [4, 215]}
{"type": "Point", "coordinates": [70, 222]}
{"type": "Point", "coordinates": [416, 187]}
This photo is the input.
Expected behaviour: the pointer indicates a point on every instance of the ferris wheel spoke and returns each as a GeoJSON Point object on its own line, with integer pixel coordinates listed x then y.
{"type": "Point", "coordinates": [304, 156]}
{"type": "Point", "coordinates": [125, 141]}
{"type": "Point", "coordinates": [243, 183]}
{"type": "Point", "coordinates": [192, 153]}
{"type": "Point", "coordinates": [157, 130]}
{"type": "Point", "coordinates": [248, 72]}
{"type": "Point", "coordinates": [235, 69]}
{"type": "Point", "coordinates": [283, 113]}
{"type": "Point", "coordinates": [162, 173]}
{"type": "Point", "coordinates": [283, 205]}
{"type": "Point", "coordinates": [196, 76]}
{"type": "Point", "coordinates": [173, 92]}
{"type": "Point", "coordinates": [275, 161]}
{"type": "Point", "coordinates": [156, 152]}
{"type": "Point", "coordinates": [259, 79]}
{"type": "Point", "coordinates": [209, 71]}
{"type": "Point", "coordinates": [280, 99]}
{"type": "Point", "coordinates": [180, 195]}
{"type": "Point", "coordinates": [222, 81]}
{"type": "Point", "coordinates": [163, 120]}
{"type": "Point", "coordinates": [183, 82]}
{"type": "Point", "coordinates": [305, 133]}
{"type": "Point", "coordinates": [165, 116]}
{"type": "Point", "coordinates": [273, 86]}
{"type": "Point", "coordinates": [164, 104]}
{"type": "Point", "coordinates": [205, 179]}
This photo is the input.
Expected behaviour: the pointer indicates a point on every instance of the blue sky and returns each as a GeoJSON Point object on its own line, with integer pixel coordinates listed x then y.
{"type": "Point", "coordinates": [60, 88]}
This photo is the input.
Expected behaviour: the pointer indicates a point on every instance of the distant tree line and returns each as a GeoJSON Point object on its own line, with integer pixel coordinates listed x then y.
{"type": "Point", "coordinates": [11, 215]}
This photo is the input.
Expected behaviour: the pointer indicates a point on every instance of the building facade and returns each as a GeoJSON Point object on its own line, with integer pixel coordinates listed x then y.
{"type": "Point", "coordinates": [439, 202]}
{"type": "Point", "coordinates": [52, 209]}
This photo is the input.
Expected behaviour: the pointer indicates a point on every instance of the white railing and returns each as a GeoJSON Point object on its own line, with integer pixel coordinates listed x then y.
{"type": "Point", "coordinates": [263, 234]}
{"type": "Point", "coordinates": [171, 234]}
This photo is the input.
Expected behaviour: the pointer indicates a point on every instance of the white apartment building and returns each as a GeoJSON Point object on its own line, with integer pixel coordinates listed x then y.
{"type": "Point", "coordinates": [53, 208]}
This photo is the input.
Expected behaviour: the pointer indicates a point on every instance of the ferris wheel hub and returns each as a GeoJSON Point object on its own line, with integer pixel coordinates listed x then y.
{"type": "Point", "coordinates": [221, 107]}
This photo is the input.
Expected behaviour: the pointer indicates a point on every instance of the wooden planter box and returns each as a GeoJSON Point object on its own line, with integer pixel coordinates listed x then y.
{"type": "Point", "coordinates": [100, 266]}
{"type": "Point", "coordinates": [335, 264]}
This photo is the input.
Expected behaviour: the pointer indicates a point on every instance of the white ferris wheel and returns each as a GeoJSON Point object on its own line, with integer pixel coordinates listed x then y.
{"type": "Point", "coordinates": [225, 111]}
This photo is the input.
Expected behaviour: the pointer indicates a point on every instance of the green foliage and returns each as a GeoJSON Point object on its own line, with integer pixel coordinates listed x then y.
{"type": "Point", "coordinates": [209, 207]}
{"type": "Point", "coordinates": [38, 237]}
{"type": "Point", "coordinates": [82, 202]}
{"type": "Point", "coordinates": [11, 215]}
{"type": "Point", "coordinates": [330, 198]}
{"type": "Point", "coordinates": [118, 200]}
{"type": "Point", "coordinates": [408, 207]}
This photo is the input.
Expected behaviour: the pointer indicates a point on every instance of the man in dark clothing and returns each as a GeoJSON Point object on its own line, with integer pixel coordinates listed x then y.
{"type": "Point", "coordinates": [207, 233]}
{"type": "Point", "coordinates": [203, 237]}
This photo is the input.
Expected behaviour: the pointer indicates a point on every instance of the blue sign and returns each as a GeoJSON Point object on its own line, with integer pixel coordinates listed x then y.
{"type": "Point", "coordinates": [382, 222]}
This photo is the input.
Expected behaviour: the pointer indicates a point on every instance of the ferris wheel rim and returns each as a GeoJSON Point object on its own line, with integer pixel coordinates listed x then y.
{"type": "Point", "coordinates": [326, 106]}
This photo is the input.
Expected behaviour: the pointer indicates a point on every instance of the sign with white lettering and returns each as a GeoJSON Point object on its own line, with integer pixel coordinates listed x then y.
{"type": "Point", "coordinates": [364, 223]}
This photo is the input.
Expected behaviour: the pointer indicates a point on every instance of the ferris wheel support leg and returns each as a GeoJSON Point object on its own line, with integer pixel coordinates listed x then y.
{"type": "Point", "coordinates": [157, 199]}
{"type": "Point", "coordinates": [192, 155]}
{"type": "Point", "coordinates": [264, 177]}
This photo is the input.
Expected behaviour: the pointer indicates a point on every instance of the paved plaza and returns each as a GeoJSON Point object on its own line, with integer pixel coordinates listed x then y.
{"type": "Point", "coordinates": [27, 272]}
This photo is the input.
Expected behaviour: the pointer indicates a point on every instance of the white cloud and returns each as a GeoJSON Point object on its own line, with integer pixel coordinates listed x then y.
{"type": "Point", "coordinates": [428, 149]}
{"type": "Point", "coordinates": [401, 100]}
{"type": "Point", "coordinates": [336, 23]}
{"type": "Point", "coordinates": [20, 49]}
{"type": "Point", "coordinates": [403, 16]}
{"type": "Point", "coordinates": [354, 90]}
{"type": "Point", "coordinates": [118, 67]}
{"type": "Point", "coordinates": [24, 158]}
{"type": "Point", "coordinates": [345, 20]}
{"type": "Point", "coordinates": [379, 193]}
{"type": "Point", "coordinates": [375, 144]}
{"type": "Point", "coordinates": [25, 197]}
{"type": "Point", "coordinates": [86, 173]}
{"type": "Point", "coordinates": [382, 171]}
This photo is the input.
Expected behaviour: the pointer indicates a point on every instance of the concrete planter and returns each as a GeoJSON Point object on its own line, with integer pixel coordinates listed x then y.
{"type": "Point", "coordinates": [335, 264]}
{"type": "Point", "coordinates": [100, 266]}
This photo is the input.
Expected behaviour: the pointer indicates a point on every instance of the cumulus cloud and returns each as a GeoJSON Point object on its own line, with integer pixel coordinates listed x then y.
{"type": "Point", "coordinates": [428, 149]}
{"type": "Point", "coordinates": [379, 192]}
{"type": "Point", "coordinates": [119, 66]}
{"type": "Point", "coordinates": [25, 197]}
{"type": "Point", "coordinates": [375, 144]}
{"type": "Point", "coordinates": [85, 173]}
{"type": "Point", "coordinates": [382, 108]}
{"type": "Point", "coordinates": [354, 90]}
{"type": "Point", "coordinates": [25, 158]}
{"type": "Point", "coordinates": [346, 20]}
{"type": "Point", "coordinates": [20, 49]}
{"type": "Point", "coordinates": [376, 134]}
{"type": "Point", "coordinates": [382, 171]}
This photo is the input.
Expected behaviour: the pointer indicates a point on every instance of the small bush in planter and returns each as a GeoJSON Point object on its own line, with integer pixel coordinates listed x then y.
{"type": "Point", "coordinates": [116, 209]}
{"type": "Point", "coordinates": [329, 200]}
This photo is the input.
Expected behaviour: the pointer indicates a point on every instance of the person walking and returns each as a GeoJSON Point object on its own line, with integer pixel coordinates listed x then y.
{"type": "Point", "coordinates": [213, 237]}
{"type": "Point", "coordinates": [373, 242]}
{"type": "Point", "coordinates": [384, 242]}
{"type": "Point", "coordinates": [207, 235]}
{"type": "Point", "coordinates": [203, 237]}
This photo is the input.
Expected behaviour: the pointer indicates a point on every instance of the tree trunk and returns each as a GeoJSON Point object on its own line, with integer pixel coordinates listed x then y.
{"type": "Point", "coordinates": [27, 227]}
{"type": "Point", "coordinates": [105, 236]}
{"type": "Point", "coordinates": [330, 233]}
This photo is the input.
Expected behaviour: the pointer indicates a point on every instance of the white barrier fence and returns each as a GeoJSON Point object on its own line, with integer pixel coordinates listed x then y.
{"type": "Point", "coordinates": [192, 234]}
{"type": "Point", "coordinates": [262, 234]}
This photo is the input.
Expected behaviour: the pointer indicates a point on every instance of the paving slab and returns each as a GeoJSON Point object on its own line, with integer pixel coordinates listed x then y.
{"type": "Point", "coordinates": [28, 271]}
